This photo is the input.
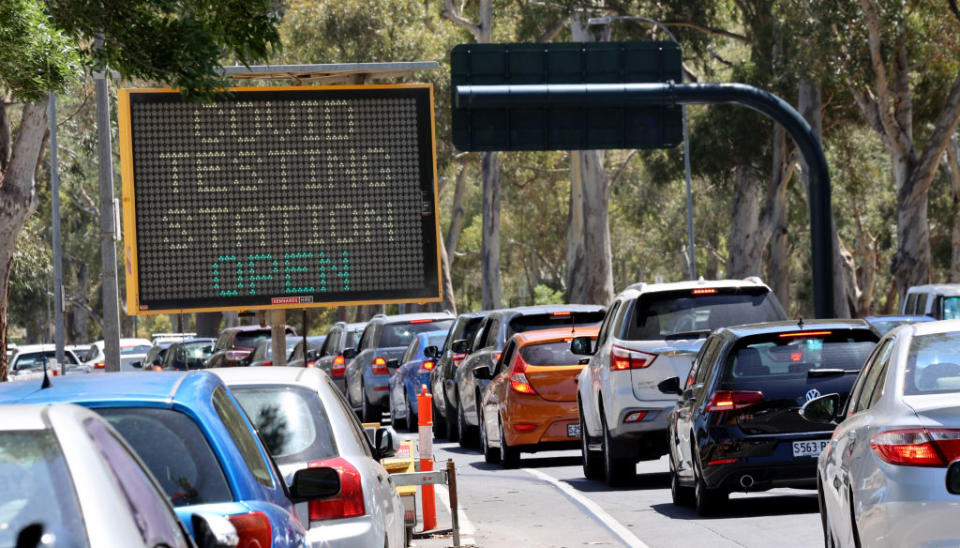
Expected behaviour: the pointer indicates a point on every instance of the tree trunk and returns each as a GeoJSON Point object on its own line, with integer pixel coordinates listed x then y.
{"type": "Point", "coordinates": [491, 296]}
{"type": "Point", "coordinates": [449, 298]}
{"type": "Point", "coordinates": [591, 280]}
{"type": "Point", "coordinates": [912, 261]}
{"type": "Point", "coordinates": [576, 262]}
{"type": "Point", "coordinates": [746, 247]}
{"type": "Point", "coordinates": [208, 324]}
{"type": "Point", "coordinates": [230, 319]}
{"type": "Point", "coordinates": [780, 248]}
{"type": "Point", "coordinates": [953, 170]}
{"type": "Point", "coordinates": [457, 214]}
{"type": "Point", "coordinates": [18, 200]}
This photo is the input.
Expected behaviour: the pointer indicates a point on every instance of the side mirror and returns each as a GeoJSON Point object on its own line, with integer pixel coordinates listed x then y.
{"type": "Point", "coordinates": [582, 346]}
{"type": "Point", "coordinates": [822, 410]}
{"type": "Point", "coordinates": [213, 531]}
{"type": "Point", "coordinates": [314, 484]}
{"type": "Point", "coordinates": [138, 365]}
{"type": "Point", "coordinates": [670, 386]}
{"type": "Point", "coordinates": [460, 346]}
{"type": "Point", "coordinates": [349, 353]}
{"type": "Point", "coordinates": [387, 442]}
{"type": "Point", "coordinates": [431, 352]}
{"type": "Point", "coordinates": [393, 364]}
{"type": "Point", "coordinates": [482, 372]}
{"type": "Point", "coordinates": [953, 478]}
{"type": "Point", "coordinates": [313, 354]}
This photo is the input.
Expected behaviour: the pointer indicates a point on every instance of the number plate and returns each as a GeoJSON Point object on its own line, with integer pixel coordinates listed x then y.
{"type": "Point", "coordinates": [809, 448]}
{"type": "Point", "coordinates": [573, 430]}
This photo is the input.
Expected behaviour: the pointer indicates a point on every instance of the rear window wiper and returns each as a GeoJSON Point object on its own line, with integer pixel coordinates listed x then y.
{"type": "Point", "coordinates": [688, 334]}
{"type": "Point", "coordinates": [824, 372]}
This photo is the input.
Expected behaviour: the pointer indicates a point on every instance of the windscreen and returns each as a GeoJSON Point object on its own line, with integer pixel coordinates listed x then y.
{"type": "Point", "coordinates": [551, 320]}
{"type": "Point", "coordinates": [250, 339]}
{"type": "Point", "coordinates": [290, 345]}
{"type": "Point", "coordinates": [951, 308]}
{"type": "Point", "coordinates": [690, 313]}
{"type": "Point", "coordinates": [35, 486]}
{"type": "Point", "coordinates": [784, 356]}
{"type": "Point", "coordinates": [400, 334]}
{"type": "Point", "coordinates": [933, 364]}
{"type": "Point", "coordinates": [175, 450]}
{"type": "Point", "coordinates": [292, 422]}
{"type": "Point", "coordinates": [554, 353]}
{"type": "Point", "coordinates": [35, 360]}
{"type": "Point", "coordinates": [198, 350]}
{"type": "Point", "coordinates": [351, 339]}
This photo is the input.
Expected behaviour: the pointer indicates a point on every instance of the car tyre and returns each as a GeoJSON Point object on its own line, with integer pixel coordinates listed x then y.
{"type": "Point", "coordinates": [413, 422]}
{"type": "Point", "coordinates": [394, 420]}
{"type": "Point", "coordinates": [681, 495]}
{"type": "Point", "coordinates": [509, 456]}
{"type": "Point", "coordinates": [828, 540]}
{"type": "Point", "coordinates": [368, 411]}
{"type": "Point", "coordinates": [451, 430]}
{"type": "Point", "coordinates": [592, 460]}
{"type": "Point", "coordinates": [464, 435]}
{"type": "Point", "coordinates": [706, 500]}
{"type": "Point", "coordinates": [617, 470]}
{"type": "Point", "coordinates": [439, 424]}
{"type": "Point", "coordinates": [490, 455]}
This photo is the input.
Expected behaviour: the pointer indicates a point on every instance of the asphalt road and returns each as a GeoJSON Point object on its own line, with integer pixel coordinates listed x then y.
{"type": "Point", "coordinates": [548, 503]}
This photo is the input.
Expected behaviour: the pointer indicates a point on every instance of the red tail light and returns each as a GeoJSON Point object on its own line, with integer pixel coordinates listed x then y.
{"type": "Point", "coordinates": [311, 364]}
{"type": "Point", "coordinates": [936, 447]}
{"type": "Point", "coordinates": [421, 321]}
{"type": "Point", "coordinates": [339, 368]}
{"type": "Point", "coordinates": [253, 529]}
{"type": "Point", "coordinates": [157, 368]}
{"type": "Point", "coordinates": [99, 365]}
{"type": "Point", "coordinates": [349, 502]}
{"type": "Point", "coordinates": [379, 366]}
{"type": "Point", "coordinates": [721, 461]}
{"type": "Point", "coordinates": [707, 291]}
{"type": "Point", "coordinates": [267, 363]}
{"type": "Point", "coordinates": [623, 358]}
{"type": "Point", "coordinates": [427, 365]}
{"type": "Point", "coordinates": [518, 378]}
{"type": "Point", "coordinates": [54, 372]}
{"type": "Point", "coordinates": [524, 427]}
{"type": "Point", "coordinates": [457, 359]}
{"type": "Point", "coordinates": [238, 354]}
{"type": "Point", "coordinates": [733, 400]}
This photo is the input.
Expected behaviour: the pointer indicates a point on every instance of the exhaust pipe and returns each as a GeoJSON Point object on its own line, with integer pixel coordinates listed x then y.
{"type": "Point", "coordinates": [746, 481]}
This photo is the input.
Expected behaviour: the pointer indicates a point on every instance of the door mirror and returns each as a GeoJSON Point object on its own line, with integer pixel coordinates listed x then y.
{"type": "Point", "coordinates": [387, 442]}
{"type": "Point", "coordinates": [314, 484]}
{"type": "Point", "coordinates": [670, 386]}
{"type": "Point", "coordinates": [349, 353]}
{"type": "Point", "coordinates": [582, 346]}
{"type": "Point", "coordinates": [431, 352]}
{"type": "Point", "coordinates": [393, 364]}
{"type": "Point", "coordinates": [460, 346]}
{"type": "Point", "coordinates": [137, 365]}
{"type": "Point", "coordinates": [822, 410]}
{"type": "Point", "coordinates": [213, 531]}
{"type": "Point", "coordinates": [482, 372]}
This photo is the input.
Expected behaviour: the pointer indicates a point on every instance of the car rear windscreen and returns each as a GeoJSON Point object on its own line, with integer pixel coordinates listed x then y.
{"type": "Point", "coordinates": [553, 353]}
{"type": "Point", "coordinates": [788, 355]}
{"type": "Point", "coordinates": [175, 450]}
{"type": "Point", "coordinates": [933, 364]}
{"type": "Point", "coordinates": [250, 339]}
{"type": "Point", "coordinates": [400, 334]}
{"type": "Point", "coordinates": [697, 312]}
{"type": "Point", "coordinates": [291, 420]}
{"type": "Point", "coordinates": [551, 320]}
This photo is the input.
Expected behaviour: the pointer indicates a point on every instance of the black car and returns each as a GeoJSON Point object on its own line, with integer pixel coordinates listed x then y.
{"type": "Point", "coordinates": [443, 385]}
{"type": "Point", "coordinates": [737, 426]}
{"type": "Point", "coordinates": [187, 354]}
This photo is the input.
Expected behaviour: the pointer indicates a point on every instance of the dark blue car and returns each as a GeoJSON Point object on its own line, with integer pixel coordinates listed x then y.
{"type": "Point", "coordinates": [414, 371]}
{"type": "Point", "coordinates": [193, 436]}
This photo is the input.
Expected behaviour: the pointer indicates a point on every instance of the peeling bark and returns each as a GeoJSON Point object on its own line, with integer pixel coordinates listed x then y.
{"type": "Point", "coordinates": [746, 243]}
{"type": "Point", "coordinates": [953, 171]}
{"type": "Point", "coordinates": [490, 294]}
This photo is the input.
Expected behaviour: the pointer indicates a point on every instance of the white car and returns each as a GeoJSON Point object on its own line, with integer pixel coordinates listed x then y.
{"type": "Point", "coordinates": [131, 351]}
{"type": "Point", "coordinates": [27, 362]}
{"type": "Point", "coordinates": [651, 332]}
{"type": "Point", "coordinates": [304, 420]}
{"type": "Point", "coordinates": [889, 474]}
{"type": "Point", "coordinates": [67, 476]}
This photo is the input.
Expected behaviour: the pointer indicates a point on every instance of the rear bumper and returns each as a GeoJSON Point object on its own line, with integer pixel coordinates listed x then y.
{"type": "Point", "coordinates": [346, 533]}
{"type": "Point", "coordinates": [551, 418]}
{"type": "Point", "coordinates": [768, 461]}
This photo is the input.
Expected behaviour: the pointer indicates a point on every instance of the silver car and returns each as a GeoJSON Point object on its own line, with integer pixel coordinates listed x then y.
{"type": "Point", "coordinates": [66, 474]}
{"type": "Point", "coordinates": [882, 479]}
{"type": "Point", "coordinates": [304, 421]}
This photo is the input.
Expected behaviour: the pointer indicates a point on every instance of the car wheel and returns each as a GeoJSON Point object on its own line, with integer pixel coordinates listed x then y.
{"type": "Point", "coordinates": [451, 426]}
{"type": "Point", "coordinates": [509, 456]}
{"type": "Point", "coordinates": [680, 494]}
{"type": "Point", "coordinates": [617, 470]}
{"type": "Point", "coordinates": [413, 423]}
{"type": "Point", "coordinates": [706, 500]}
{"type": "Point", "coordinates": [368, 411]}
{"type": "Point", "coordinates": [592, 460]}
{"type": "Point", "coordinates": [828, 540]}
{"type": "Point", "coordinates": [439, 424]}
{"type": "Point", "coordinates": [407, 536]}
{"type": "Point", "coordinates": [464, 435]}
{"type": "Point", "coordinates": [490, 455]}
{"type": "Point", "coordinates": [394, 420]}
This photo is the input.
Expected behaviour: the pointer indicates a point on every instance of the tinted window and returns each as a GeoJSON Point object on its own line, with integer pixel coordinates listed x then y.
{"type": "Point", "coordinates": [329, 346]}
{"type": "Point", "coordinates": [911, 307]}
{"type": "Point", "coordinates": [364, 341]}
{"type": "Point", "coordinates": [35, 486]}
{"type": "Point", "coordinates": [352, 338]}
{"type": "Point", "coordinates": [268, 348]}
{"type": "Point", "coordinates": [469, 331]}
{"type": "Point", "coordinates": [242, 437]}
{"type": "Point", "coordinates": [708, 354]}
{"type": "Point", "coordinates": [785, 357]}
{"type": "Point", "coordinates": [400, 334]}
{"type": "Point", "coordinates": [951, 308]}
{"type": "Point", "coordinates": [870, 381]}
{"type": "Point", "coordinates": [250, 339]}
{"type": "Point", "coordinates": [669, 314]}
{"type": "Point", "coordinates": [933, 364]}
{"type": "Point", "coordinates": [175, 450]}
{"type": "Point", "coordinates": [554, 353]}
{"type": "Point", "coordinates": [291, 421]}
{"type": "Point", "coordinates": [506, 357]}
{"type": "Point", "coordinates": [922, 303]}
{"type": "Point", "coordinates": [534, 322]}
{"type": "Point", "coordinates": [411, 350]}
{"type": "Point", "coordinates": [490, 334]}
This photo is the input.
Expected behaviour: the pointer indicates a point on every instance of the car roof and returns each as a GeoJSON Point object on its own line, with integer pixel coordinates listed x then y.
{"type": "Point", "coordinates": [946, 289]}
{"type": "Point", "coordinates": [549, 335]}
{"type": "Point", "coordinates": [747, 330]}
{"type": "Point", "coordinates": [350, 325]}
{"type": "Point", "coordinates": [518, 311]}
{"type": "Point", "coordinates": [931, 328]}
{"type": "Point", "coordinates": [399, 318]}
{"type": "Point", "coordinates": [138, 342]}
{"type": "Point", "coordinates": [894, 318]}
{"type": "Point", "coordinates": [638, 288]}
{"type": "Point", "coordinates": [195, 340]}
{"type": "Point", "coordinates": [305, 376]}
{"type": "Point", "coordinates": [48, 347]}
{"type": "Point", "coordinates": [159, 387]}
{"type": "Point", "coordinates": [28, 417]}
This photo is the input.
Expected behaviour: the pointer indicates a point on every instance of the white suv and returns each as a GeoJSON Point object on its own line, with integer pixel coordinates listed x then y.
{"type": "Point", "coordinates": [651, 332]}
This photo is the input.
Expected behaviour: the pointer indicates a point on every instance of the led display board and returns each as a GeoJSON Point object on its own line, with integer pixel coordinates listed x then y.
{"type": "Point", "coordinates": [267, 198]}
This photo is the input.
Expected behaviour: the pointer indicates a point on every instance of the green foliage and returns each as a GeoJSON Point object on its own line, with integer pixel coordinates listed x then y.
{"type": "Point", "coordinates": [35, 58]}
{"type": "Point", "coordinates": [544, 294]}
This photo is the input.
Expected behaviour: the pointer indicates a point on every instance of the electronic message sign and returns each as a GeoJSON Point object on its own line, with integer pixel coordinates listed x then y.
{"type": "Point", "coordinates": [279, 198]}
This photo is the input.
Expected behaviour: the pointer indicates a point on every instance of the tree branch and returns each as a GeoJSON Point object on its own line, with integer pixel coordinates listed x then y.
{"type": "Point", "coordinates": [549, 35]}
{"type": "Point", "coordinates": [943, 128]}
{"type": "Point", "coordinates": [453, 14]}
{"type": "Point", "coordinates": [888, 123]}
{"type": "Point", "coordinates": [954, 8]}
{"type": "Point", "coordinates": [710, 30]}
{"type": "Point", "coordinates": [623, 166]}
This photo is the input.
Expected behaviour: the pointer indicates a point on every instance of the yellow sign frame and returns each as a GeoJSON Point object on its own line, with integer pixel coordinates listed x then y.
{"type": "Point", "coordinates": [129, 205]}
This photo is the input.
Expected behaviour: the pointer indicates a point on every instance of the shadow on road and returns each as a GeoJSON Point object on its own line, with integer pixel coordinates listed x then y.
{"type": "Point", "coordinates": [659, 480]}
{"type": "Point", "coordinates": [746, 507]}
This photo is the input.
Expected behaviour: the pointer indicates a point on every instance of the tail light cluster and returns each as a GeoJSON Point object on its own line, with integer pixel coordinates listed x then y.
{"type": "Point", "coordinates": [457, 359]}
{"type": "Point", "coordinates": [349, 502]}
{"type": "Point", "coordinates": [267, 363]}
{"type": "Point", "coordinates": [238, 354]}
{"type": "Point", "coordinates": [379, 366]}
{"type": "Point", "coordinates": [936, 447]}
{"type": "Point", "coordinates": [518, 378]}
{"type": "Point", "coordinates": [427, 366]}
{"type": "Point", "coordinates": [339, 367]}
{"type": "Point", "coordinates": [623, 358]}
{"type": "Point", "coordinates": [99, 365]}
{"type": "Point", "coordinates": [253, 529]}
{"type": "Point", "coordinates": [733, 400]}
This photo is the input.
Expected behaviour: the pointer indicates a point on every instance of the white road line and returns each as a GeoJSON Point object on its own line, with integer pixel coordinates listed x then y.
{"type": "Point", "coordinates": [467, 530]}
{"type": "Point", "coordinates": [615, 527]}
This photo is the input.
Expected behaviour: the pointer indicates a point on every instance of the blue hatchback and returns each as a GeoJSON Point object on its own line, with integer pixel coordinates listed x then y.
{"type": "Point", "coordinates": [414, 371]}
{"type": "Point", "coordinates": [193, 436]}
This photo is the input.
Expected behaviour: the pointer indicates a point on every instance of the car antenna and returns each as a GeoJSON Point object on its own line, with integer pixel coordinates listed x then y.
{"type": "Point", "coordinates": [573, 323]}
{"type": "Point", "coordinates": [800, 323]}
{"type": "Point", "coordinates": [46, 380]}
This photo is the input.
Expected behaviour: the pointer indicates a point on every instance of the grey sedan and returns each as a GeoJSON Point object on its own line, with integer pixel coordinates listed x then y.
{"type": "Point", "coordinates": [884, 478]}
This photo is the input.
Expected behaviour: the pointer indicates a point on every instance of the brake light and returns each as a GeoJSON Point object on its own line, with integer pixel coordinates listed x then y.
{"type": "Point", "coordinates": [524, 427]}
{"type": "Point", "coordinates": [238, 354]}
{"type": "Point", "coordinates": [427, 365]}
{"type": "Point", "coordinates": [339, 360]}
{"type": "Point", "coordinates": [496, 357]}
{"type": "Point", "coordinates": [99, 365]}
{"type": "Point", "coordinates": [733, 400]}
{"type": "Point", "coordinates": [379, 366]}
{"type": "Point", "coordinates": [708, 291]}
{"type": "Point", "coordinates": [338, 369]}
{"type": "Point", "coordinates": [518, 378]}
{"type": "Point", "coordinates": [157, 368]}
{"type": "Point", "coordinates": [349, 502]}
{"type": "Point", "coordinates": [794, 334]}
{"type": "Point", "coordinates": [267, 363]}
{"type": "Point", "coordinates": [253, 529]}
{"type": "Point", "coordinates": [623, 358]}
{"type": "Point", "coordinates": [421, 321]}
{"type": "Point", "coordinates": [564, 313]}
{"type": "Point", "coordinates": [721, 461]}
{"type": "Point", "coordinates": [311, 364]}
{"type": "Point", "coordinates": [935, 447]}
{"type": "Point", "coordinates": [457, 358]}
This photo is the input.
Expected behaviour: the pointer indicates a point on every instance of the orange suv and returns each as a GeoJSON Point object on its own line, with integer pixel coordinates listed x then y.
{"type": "Point", "coordinates": [531, 401]}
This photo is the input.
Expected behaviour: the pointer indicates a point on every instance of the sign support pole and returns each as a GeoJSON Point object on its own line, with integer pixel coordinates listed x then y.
{"type": "Point", "coordinates": [278, 323]}
{"type": "Point", "coordinates": [108, 230]}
